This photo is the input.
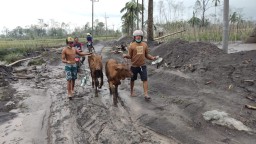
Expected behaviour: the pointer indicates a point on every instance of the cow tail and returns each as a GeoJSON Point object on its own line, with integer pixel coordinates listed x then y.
{"type": "Point", "coordinates": [98, 73]}
{"type": "Point", "coordinates": [106, 69]}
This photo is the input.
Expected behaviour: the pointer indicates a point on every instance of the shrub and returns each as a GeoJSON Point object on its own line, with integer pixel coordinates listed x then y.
{"type": "Point", "coordinates": [12, 57]}
{"type": "Point", "coordinates": [39, 61]}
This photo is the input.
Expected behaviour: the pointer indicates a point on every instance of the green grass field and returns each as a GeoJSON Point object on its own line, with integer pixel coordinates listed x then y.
{"type": "Point", "coordinates": [39, 43]}
{"type": "Point", "coordinates": [12, 50]}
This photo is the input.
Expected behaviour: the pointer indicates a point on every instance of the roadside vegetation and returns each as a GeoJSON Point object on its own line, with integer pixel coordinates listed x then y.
{"type": "Point", "coordinates": [206, 24]}
{"type": "Point", "coordinates": [15, 49]}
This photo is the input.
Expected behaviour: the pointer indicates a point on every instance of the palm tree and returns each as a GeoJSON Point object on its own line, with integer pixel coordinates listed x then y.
{"type": "Point", "coordinates": [194, 21]}
{"type": "Point", "coordinates": [233, 19]}
{"type": "Point", "coordinates": [127, 22]}
{"type": "Point", "coordinates": [150, 21]}
{"type": "Point", "coordinates": [132, 10]}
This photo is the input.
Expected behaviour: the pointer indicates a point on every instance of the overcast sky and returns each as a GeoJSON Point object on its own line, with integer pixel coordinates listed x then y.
{"type": "Point", "coordinates": [15, 13]}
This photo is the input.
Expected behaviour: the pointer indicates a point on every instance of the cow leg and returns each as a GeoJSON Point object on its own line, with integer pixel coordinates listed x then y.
{"type": "Point", "coordinates": [93, 83]}
{"type": "Point", "coordinates": [109, 87]}
{"type": "Point", "coordinates": [110, 93]}
{"type": "Point", "coordinates": [115, 100]}
{"type": "Point", "coordinates": [116, 90]}
{"type": "Point", "coordinates": [118, 97]}
{"type": "Point", "coordinates": [112, 90]}
{"type": "Point", "coordinates": [92, 79]}
{"type": "Point", "coordinates": [96, 82]}
{"type": "Point", "coordinates": [101, 80]}
{"type": "Point", "coordinates": [115, 95]}
{"type": "Point", "coordinates": [96, 92]}
{"type": "Point", "coordinates": [96, 86]}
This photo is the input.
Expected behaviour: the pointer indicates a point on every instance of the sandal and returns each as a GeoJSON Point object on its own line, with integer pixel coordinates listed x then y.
{"type": "Point", "coordinates": [147, 97]}
{"type": "Point", "coordinates": [70, 97]}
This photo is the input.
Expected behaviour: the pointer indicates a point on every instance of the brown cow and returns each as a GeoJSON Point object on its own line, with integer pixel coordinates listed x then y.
{"type": "Point", "coordinates": [96, 67]}
{"type": "Point", "coordinates": [116, 72]}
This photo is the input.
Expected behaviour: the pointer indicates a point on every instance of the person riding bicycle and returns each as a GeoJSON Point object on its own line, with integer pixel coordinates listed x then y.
{"type": "Point", "coordinates": [79, 47]}
{"type": "Point", "coordinates": [89, 37]}
{"type": "Point", "coordinates": [89, 41]}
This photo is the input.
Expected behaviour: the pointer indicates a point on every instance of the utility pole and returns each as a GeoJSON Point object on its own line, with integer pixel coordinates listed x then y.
{"type": "Point", "coordinates": [113, 29]}
{"type": "Point", "coordinates": [106, 23]}
{"type": "Point", "coordinates": [92, 13]}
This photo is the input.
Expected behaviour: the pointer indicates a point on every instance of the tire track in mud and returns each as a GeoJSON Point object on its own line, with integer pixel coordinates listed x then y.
{"type": "Point", "coordinates": [89, 119]}
{"type": "Point", "coordinates": [173, 116]}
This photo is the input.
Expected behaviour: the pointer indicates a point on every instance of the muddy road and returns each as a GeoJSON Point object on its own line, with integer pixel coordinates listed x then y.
{"type": "Point", "coordinates": [196, 100]}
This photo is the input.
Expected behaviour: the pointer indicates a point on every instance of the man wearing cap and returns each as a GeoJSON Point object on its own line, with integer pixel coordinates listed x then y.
{"type": "Point", "coordinates": [68, 56]}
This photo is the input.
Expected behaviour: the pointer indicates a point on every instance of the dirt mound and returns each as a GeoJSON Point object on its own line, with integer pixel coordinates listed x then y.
{"type": "Point", "coordinates": [180, 53]}
{"type": "Point", "coordinates": [232, 70]}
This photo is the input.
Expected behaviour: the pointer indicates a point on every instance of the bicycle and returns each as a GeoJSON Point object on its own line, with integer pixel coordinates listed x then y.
{"type": "Point", "coordinates": [90, 47]}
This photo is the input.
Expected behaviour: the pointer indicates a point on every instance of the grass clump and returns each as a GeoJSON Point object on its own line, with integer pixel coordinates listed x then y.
{"type": "Point", "coordinates": [12, 57]}
{"type": "Point", "coordinates": [39, 61]}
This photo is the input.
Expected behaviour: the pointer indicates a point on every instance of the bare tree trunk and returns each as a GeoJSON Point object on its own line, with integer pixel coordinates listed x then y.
{"type": "Point", "coordinates": [225, 27]}
{"type": "Point", "coordinates": [150, 21]}
{"type": "Point", "coordinates": [203, 14]}
{"type": "Point", "coordinates": [142, 16]}
{"type": "Point", "coordinates": [132, 22]}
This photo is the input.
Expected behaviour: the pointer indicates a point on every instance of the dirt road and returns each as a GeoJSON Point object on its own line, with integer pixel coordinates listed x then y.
{"type": "Point", "coordinates": [194, 107]}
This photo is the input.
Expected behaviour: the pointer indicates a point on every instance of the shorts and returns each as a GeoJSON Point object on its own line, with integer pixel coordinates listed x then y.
{"type": "Point", "coordinates": [142, 70]}
{"type": "Point", "coordinates": [71, 71]}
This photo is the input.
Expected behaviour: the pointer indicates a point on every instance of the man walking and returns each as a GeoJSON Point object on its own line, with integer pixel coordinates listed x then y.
{"type": "Point", "coordinates": [68, 56]}
{"type": "Point", "coordinates": [138, 53]}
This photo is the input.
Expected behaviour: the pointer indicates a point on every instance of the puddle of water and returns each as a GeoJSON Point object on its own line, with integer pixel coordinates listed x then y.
{"type": "Point", "coordinates": [238, 46]}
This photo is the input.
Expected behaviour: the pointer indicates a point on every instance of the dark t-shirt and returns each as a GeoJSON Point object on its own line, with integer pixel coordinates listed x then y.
{"type": "Point", "coordinates": [78, 46]}
{"type": "Point", "coordinates": [89, 38]}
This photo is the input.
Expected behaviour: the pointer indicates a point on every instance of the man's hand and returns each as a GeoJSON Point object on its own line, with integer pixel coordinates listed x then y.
{"type": "Point", "coordinates": [68, 62]}
{"type": "Point", "coordinates": [155, 57]}
{"type": "Point", "coordinates": [124, 55]}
